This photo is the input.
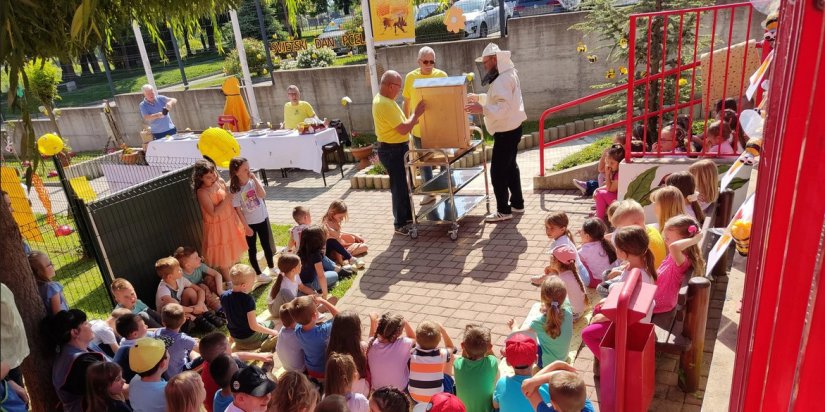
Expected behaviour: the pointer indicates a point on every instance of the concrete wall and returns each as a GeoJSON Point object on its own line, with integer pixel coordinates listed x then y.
{"type": "Point", "coordinates": [543, 48]}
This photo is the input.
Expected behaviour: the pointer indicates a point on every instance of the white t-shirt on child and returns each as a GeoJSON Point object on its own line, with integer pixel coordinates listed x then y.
{"type": "Point", "coordinates": [164, 290]}
{"type": "Point", "coordinates": [252, 207]}
{"type": "Point", "coordinates": [575, 294]}
{"type": "Point", "coordinates": [295, 234]}
{"type": "Point", "coordinates": [594, 257]}
{"type": "Point", "coordinates": [103, 332]}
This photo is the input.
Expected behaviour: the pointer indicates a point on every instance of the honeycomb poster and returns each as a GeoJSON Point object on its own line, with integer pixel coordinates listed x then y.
{"type": "Point", "coordinates": [393, 21]}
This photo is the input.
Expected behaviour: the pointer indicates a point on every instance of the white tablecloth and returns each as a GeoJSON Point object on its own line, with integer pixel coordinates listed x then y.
{"type": "Point", "coordinates": [263, 152]}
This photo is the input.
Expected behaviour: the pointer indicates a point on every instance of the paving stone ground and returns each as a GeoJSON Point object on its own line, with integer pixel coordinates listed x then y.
{"type": "Point", "coordinates": [483, 277]}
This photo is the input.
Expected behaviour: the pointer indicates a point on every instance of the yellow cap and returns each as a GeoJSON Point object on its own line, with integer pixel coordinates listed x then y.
{"type": "Point", "coordinates": [146, 353]}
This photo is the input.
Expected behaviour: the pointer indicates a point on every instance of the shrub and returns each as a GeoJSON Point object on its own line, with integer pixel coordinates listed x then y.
{"type": "Point", "coordinates": [433, 29]}
{"type": "Point", "coordinates": [363, 140]}
{"type": "Point", "coordinates": [255, 58]}
{"type": "Point", "coordinates": [315, 57]}
{"type": "Point", "coordinates": [589, 153]}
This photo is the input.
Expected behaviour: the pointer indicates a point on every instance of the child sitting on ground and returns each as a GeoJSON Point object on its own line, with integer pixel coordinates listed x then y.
{"type": "Point", "coordinates": [50, 291]}
{"type": "Point", "coordinates": [311, 251]}
{"type": "Point", "coordinates": [215, 344]}
{"type": "Point", "coordinates": [287, 284]}
{"type": "Point", "coordinates": [343, 246]}
{"type": "Point", "coordinates": [554, 328]}
{"type": "Point", "coordinates": [341, 374]}
{"type": "Point", "coordinates": [252, 389]}
{"type": "Point", "coordinates": [521, 351]}
{"type": "Point", "coordinates": [105, 338]}
{"type": "Point", "coordinates": [607, 194]}
{"type": "Point", "coordinates": [131, 327]}
{"type": "Point", "coordinates": [149, 359]}
{"type": "Point", "coordinates": [173, 288]}
{"type": "Point", "coordinates": [312, 336]}
{"type": "Point", "coordinates": [476, 370]}
{"type": "Point", "coordinates": [179, 345]}
{"type": "Point", "coordinates": [104, 389]}
{"type": "Point", "coordinates": [587, 187]}
{"type": "Point", "coordinates": [125, 296]}
{"type": "Point", "coordinates": [288, 348]}
{"type": "Point", "coordinates": [205, 278]}
{"type": "Point", "coordinates": [563, 265]}
{"type": "Point", "coordinates": [390, 399]}
{"type": "Point", "coordinates": [667, 202]}
{"type": "Point", "coordinates": [596, 253]}
{"type": "Point", "coordinates": [555, 226]}
{"type": "Point", "coordinates": [294, 393]}
{"type": "Point", "coordinates": [222, 368]}
{"type": "Point", "coordinates": [302, 219]}
{"type": "Point", "coordinates": [345, 337]}
{"type": "Point", "coordinates": [429, 364]}
{"type": "Point", "coordinates": [567, 390]}
{"type": "Point", "coordinates": [239, 307]}
{"type": "Point", "coordinates": [388, 353]}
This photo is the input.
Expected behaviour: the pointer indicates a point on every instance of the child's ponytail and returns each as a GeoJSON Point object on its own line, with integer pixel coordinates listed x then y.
{"type": "Point", "coordinates": [276, 287]}
{"type": "Point", "coordinates": [553, 294]}
{"type": "Point", "coordinates": [572, 268]}
{"type": "Point", "coordinates": [596, 228]}
{"type": "Point", "coordinates": [390, 326]}
{"type": "Point", "coordinates": [560, 219]}
{"type": "Point", "coordinates": [650, 266]}
{"type": "Point", "coordinates": [687, 227]}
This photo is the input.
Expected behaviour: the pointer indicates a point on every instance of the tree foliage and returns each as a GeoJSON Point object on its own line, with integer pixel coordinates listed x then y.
{"type": "Point", "coordinates": [609, 26]}
{"type": "Point", "coordinates": [248, 22]}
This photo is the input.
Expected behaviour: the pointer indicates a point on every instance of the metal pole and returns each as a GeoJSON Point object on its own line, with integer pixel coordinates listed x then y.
{"type": "Point", "coordinates": [143, 56]}
{"type": "Point", "coordinates": [107, 70]}
{"type": "Point", "coordinates": [265, 39]}
{"type": "Point", "coordinates": [373, 72]}
{"type": "Point", "coordinates": [250, 91]}
{"type": "Point", "coordinates": [502, 18]}
{"type": "Point", "coordinates": [177, 56]}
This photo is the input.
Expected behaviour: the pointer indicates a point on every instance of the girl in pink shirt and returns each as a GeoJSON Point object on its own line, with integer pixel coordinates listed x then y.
{"type": "Point", "coordinates": [682, 235]}
{"type": "Point", "coordinates": [596, 253]}
{"type": "Point", "coordinates": [388, 353]}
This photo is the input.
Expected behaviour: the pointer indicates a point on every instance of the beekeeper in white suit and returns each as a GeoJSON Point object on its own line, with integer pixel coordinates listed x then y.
{"type": "Point", "coordinates": [503, 111]}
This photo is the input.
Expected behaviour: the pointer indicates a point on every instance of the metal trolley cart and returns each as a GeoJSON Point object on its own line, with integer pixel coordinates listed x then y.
{"type": "Point", "coordinates": [452, 206]}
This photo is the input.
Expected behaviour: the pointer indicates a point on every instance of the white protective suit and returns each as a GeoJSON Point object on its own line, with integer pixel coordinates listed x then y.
{"type": "Point", "coordinates": [503, 105]}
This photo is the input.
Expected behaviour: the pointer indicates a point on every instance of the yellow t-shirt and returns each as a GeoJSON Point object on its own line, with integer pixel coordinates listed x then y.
{"type": "Point", "coordinates": [656, 245]}
{"type": "Point", "coordinates": [412, 94]}
{"type": "Point", "coordinates": [296, 114]}
{"type": "Point", "coordinates": [387, 115]}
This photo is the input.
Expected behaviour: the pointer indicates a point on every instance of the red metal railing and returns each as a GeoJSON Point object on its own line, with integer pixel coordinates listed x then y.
{"type": "Point", "coordinates": [669, 66]}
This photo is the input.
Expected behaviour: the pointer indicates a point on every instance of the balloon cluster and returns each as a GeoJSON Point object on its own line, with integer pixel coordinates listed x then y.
{"type": "Point", "coordinates": [218, 145]}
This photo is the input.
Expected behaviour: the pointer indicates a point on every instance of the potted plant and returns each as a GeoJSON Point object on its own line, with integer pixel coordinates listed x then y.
{"type": "Point", "coordinates": [362, 148]}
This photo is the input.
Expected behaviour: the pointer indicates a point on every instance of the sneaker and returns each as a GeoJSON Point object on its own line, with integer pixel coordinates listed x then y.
{"type": "Point", "coordinates": [204, 325]}
{"type": "Point", "coordinates": [581, 185]}
{"type": "Point", "coordinates": [517, 209]}
{"type": "Point", "coordinates": [427, 200]}
{"type": "Point", "coordinates": [403, 230]}
{"type": "Point", "coordinates": [345, 271]}
{"type": "Point", "coordinates": [267, 272]}
{"type": "Point", "coordinates": [269, 344]}
{"type": "Point", "coordinates": [358, 262]}
{"type": "Point", "coordinates": [497, 217]}
{"type": "Point", "coordinates": [537, 279]}
{"type": "Point", "coordinates": [214, 319]}
{"type": "Point", "coordinates": [262, 278]}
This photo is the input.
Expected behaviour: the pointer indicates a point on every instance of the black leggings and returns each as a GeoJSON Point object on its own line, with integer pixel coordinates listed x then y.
{"type": "Point", "coordinates": [265, 232]}
{"type": "Point", "coordinates": [333, 245]}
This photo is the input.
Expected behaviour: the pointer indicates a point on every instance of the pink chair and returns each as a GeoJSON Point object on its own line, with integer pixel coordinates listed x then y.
{"type": "Point", "coordinates": [230, 120]}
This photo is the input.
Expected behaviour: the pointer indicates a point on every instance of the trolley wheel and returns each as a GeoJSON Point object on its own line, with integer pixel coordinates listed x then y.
{"type": "Point", "coordinates": [414, 233]}
{"type": "Point", "coordinates": [453, 234]}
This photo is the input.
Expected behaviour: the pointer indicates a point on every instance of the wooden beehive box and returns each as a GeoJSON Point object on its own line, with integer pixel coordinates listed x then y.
{"type": "Point", "coordinates": [444, 123]}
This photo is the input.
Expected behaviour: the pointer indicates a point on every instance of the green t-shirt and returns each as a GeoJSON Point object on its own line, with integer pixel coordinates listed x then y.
{"type": "Point", "coordinates": [554, 349]}
{"type": "Point", "coordinates": [475, 381]}
{"type": "Point", "coordinates": [196, 276]}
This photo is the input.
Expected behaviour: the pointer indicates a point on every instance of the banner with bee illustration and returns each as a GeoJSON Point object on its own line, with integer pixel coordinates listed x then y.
{"type": "Point", "coordinates": [393, 21]}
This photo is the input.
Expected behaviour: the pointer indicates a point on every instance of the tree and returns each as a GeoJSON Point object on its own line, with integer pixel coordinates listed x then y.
{"type": "Point", "coordinates": [248, 22]}
{"type": "Point", "coordinates": [610, 26]}
{"type": "Point", "coordinates": [344, 5]}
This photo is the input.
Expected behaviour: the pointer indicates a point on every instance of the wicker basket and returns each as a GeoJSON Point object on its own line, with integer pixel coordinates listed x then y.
{"type": "Point", "coordinates": [136, 157]}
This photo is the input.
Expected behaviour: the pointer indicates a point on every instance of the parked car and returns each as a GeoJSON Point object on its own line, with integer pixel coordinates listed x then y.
{"type": "Point", "coordinates": [482, 17]}
{"type": "Point", "coordinates": [534, 7]}
{"type": "Point", "coordinates": [335, 31]}
{"type": "Point", "coordinates": [424, 10]}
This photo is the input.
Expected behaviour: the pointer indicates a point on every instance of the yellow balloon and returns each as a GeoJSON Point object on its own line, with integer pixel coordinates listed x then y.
{"type": "Point", "coordinates": [49, 144]}
{"type": "Point", "coordinates": [219, 145]}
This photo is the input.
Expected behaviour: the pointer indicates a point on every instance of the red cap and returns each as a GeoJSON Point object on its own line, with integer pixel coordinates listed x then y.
{"type": "Point", "coordinates": [520, 350]}
{"type": "Point", "coordinates": [443, 402]}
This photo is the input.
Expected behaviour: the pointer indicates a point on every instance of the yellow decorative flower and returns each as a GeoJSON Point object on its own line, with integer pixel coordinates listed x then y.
{"type": "Point", "coordinates": [289, 37]}
{"type": "Point", "coordinates": [470, 76]}
{"type": "Point", "coordinates": [623, 70]}
{"type": "Point", "coordinates": [592, 58]}
{"type": "Point", "coordinates": [265, 72]}
{"type": "Point", "coordinates": [610, 74]}
{"type": "Point", "coordinates": [623, 43]}
{"type": "Point", "coordinates": [683, 82]}
{"type": "Point", "coordinates": [454, 19]}
{"type": "Point", "coordinates": [314, 56]}
{"type": "Point", "coordinates": [581, 48]}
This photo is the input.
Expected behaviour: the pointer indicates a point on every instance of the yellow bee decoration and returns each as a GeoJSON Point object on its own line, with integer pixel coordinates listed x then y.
{"type": "Point", "coordinates": [592, 58]}
{"type": "Point", "coordinates": [623, 70]}
{"type": "Point", "coordinates": [611, 74]}
{"type": "Point", "coordinates": [581, 48]}
{"type": "Point", "coordinates": [623, 43]}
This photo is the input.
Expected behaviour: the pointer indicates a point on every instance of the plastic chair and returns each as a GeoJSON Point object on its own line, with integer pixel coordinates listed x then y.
{"type": "Point", "coordinates": [339, 155]}
{"type": "Point", "coordinates": [228, 120]}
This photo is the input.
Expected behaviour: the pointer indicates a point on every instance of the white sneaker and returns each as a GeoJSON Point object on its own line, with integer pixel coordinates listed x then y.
{"type": "Point", "coordinates": [267, 272]}
{"type": "Point", "coordinates": [427, 200]}
{"type": "Point", "coordinates": [497, 217]}
{"type": "Point", "coordinates": [581, 185]}
{"type": "Point", "coordinates": [357, 262]}
{"type": "Point", "coordinates": [516, 209]}
{"type": "Point", "coordinates": [263, 279]}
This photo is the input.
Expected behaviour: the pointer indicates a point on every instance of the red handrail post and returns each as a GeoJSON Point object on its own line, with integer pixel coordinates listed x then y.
{"type": "Point", "coordinates": [631, 78]}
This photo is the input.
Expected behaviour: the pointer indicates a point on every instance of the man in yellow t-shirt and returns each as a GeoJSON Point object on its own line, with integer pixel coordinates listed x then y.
{"type": "Point", "coordinates": [393, 128]}
{"type": "Point", "coordinates": [296, 110]}
{"type": "Point", "coordinates": [426, 69]}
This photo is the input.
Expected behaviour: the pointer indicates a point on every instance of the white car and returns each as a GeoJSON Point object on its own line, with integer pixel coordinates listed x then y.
{"type": "Point", "coordinates": [482, 17]}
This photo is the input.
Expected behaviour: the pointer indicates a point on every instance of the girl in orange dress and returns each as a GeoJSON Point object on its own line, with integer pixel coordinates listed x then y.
{"type": "Point", "coordinates": [223, 234]}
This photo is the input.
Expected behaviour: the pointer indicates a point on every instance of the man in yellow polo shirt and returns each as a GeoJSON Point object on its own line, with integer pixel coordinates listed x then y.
{"type": "Point", "coordinates": [426, 69]}
{"type": "Point", "coordinates": [296, 110]}
{"type": "Point", "coordinates": [393, 128]}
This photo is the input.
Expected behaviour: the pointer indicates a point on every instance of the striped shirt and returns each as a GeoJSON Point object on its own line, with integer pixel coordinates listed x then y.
{"type": "Point", "coordinates": [427, 373]}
